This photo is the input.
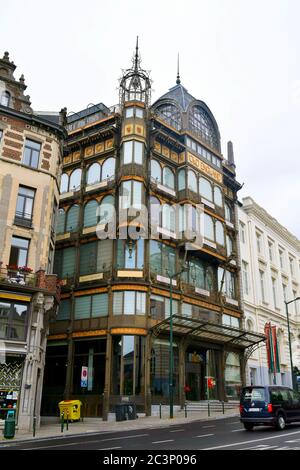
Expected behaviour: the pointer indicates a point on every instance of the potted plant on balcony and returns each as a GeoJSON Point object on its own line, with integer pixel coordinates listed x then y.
{"type": "Point", "coordinates": [25, 270]}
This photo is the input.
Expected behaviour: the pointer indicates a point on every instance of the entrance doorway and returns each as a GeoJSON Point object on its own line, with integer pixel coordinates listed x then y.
{"type": "Point", "coordinates": [195, 362]}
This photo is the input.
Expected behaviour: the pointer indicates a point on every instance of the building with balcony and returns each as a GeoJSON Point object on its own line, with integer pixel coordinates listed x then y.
{"type": "Point", "coordinates": [114, 317]}
{"type": "Point", "coordinates": [270, 263]}
{"type": "Point", "coordinates": [30, 161]}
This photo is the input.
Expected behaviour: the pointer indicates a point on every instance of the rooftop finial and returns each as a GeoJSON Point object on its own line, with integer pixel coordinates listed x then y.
{"type": "Point", "coordinates": [136, 58]}
{"type": "Point", "coordinates": [178, 76]}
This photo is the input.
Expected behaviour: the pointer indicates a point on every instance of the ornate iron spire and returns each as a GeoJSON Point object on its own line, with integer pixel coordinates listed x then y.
{"type": "Point", "coordinates": [178, 81]}
{"type": "Point", "coordinates": [136, 57]}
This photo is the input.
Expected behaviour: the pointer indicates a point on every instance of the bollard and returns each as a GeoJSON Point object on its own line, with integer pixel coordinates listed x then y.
{"type": "Point", "coordinates": [67, 420]}
{"type": "Point", "coordinates": [208, 408]}
{"type": "Point", "coordinates": [34, 426]}
{"type": "Point", "coordinates": [185, 411]}
{"type": "Point", "coordinates": [160, 411]}
{"type": "Point", "coordinates": [62, 422]}
{"type": "Point", "coordinates": [223, 407]}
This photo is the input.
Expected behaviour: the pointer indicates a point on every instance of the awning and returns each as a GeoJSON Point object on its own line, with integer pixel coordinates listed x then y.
{"type": "Point", "coordinates": [212, 332]}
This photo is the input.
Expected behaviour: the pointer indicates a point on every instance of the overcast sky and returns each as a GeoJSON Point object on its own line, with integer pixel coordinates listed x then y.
{"type": "Point", "coordinates": [241, 57]}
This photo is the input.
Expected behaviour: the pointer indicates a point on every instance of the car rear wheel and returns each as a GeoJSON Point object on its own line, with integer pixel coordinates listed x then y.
{"type": "Point", "coordinates": [248, 426]}
{"type": "Point", "coordinates": [280, 422]}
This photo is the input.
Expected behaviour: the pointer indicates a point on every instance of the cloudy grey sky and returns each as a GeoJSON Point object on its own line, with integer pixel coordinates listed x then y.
{"type": "Point", "coordinates": [241, 57]}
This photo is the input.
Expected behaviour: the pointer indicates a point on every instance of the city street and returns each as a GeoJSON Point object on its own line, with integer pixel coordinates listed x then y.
{"type": "Point", "coordinates": [223, 434]}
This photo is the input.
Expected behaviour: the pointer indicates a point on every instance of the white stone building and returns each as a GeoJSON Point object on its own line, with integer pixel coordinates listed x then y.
{"type": "Point", "coordinates": [270, 264]}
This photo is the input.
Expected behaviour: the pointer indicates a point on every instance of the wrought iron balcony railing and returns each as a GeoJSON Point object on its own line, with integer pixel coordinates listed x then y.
{"type": "Point", "coordinates": [17, 276]}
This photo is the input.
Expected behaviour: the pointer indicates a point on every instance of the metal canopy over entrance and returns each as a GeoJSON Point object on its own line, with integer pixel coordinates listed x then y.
{"type": "Point", "coordinates": [212, 332]}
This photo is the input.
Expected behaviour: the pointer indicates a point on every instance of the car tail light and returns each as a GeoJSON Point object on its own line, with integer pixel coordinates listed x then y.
{"type": "Point", "coordinates": [270, 408]}
{"type": "Point", "coordinates": [241, 408]}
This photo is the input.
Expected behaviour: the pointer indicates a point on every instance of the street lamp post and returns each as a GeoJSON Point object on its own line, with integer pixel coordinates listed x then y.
{"type": "Point", "coordinates": [289, 334]}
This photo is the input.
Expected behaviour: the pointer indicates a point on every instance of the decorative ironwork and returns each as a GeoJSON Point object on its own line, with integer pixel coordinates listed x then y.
{"type": "Point", "coordinates": [10, 375]}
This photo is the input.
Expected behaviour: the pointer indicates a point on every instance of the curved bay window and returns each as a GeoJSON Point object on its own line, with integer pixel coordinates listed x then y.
{"type": "Point", "coordinates": [128, 371]}
{"type": "Point", "coordinates": [159, 371]}
{"type": "Point", "coordinates": [72, 219]}
{"type": "Point", "coordinates": [129, 302]}
{"type": "Point", "coordinates": [227, 283]}
{"type": "Point", "coordinates": [199, 275]}
{"type": "Point", "coordinates": [133, 152]}
{"type": "Point", "coordinates": [209, 227]}
{"type": "Point", "coordinates": [162, 258]}
{"type": "Point", "coordinates": [218, 199]}
{"type": "Point", "coordinates": [95, 257]}
{"type": "Point", "coordinates": [181, 180]}
{"type": "Point", "coordinates": [93, 174]}
{"type": "Point", "coordinates": [131, 194]}
{"type": "Point", "coordinates": [75, 180]}
{"type": "Point", "coordinates": [64, 183]}
{"type": "Point", "coordinates": [170, 114]}
{"type": "Point", "coordinates": [168, 178]}
{"type": "Point", "coordinates": [205, 189]}
{"type": "Point", "coordinates": [201, 123]}
{"type": "Point", "coordinates": [220, 237]}
{"type": "Point", "coordinates": [228, 213]}
{"type": "Point", "coordinates": [192, 181]}
{"type": "Point", "coordinates": [156, 171]}
{"type": "Point", "coordinates": [90, 214]}
{"type": "Point", "coordinates": [108, 169]}
{"type": "Point", "coordinates": [106, 210]}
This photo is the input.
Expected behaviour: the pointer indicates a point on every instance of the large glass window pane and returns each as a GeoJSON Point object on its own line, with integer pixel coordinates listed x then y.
{"type": "Point", "coordinates": [60, 228]}
{"type": "Point", "coordinates": [104, 255]}
{"type": "Point", "coordinates": [88, 258]}
{"type": "Point", "coordinates": [118, 303]}
{"type": "Point", "coordinates": [72, 218]}
{"type": "Point", "coordinates": [82, 307]}
{"type": "Point", "coordinates": [228, 212]}
{"type": "Point", "coordinates": [4, 319]}
{"type": "Point", "coordinates": [137, 195]}
{"type": "Point", "coordinates": [31, 153]}
{"type": "Point", "coordinates": [129, 303]}
{"type": "Point", "coordinates": [18, 320]}
{"type": "Point", "coordinates": [138, 152]}
{"type": "Point", "coordinates": [205, 189]}
{"type": "Point", "coordinates": [100, 305]}
{"type": "Point", "coordinates": [140, 303]}
{"type": "Point", "coordinates": [18, 252]}
{"type": "Point", "coordinates": [64, 310]}
{"type": "Point", "coordinates": [128, 362]}
{"type": "Point", "coordinates": [155, 257]}
{"type": "Point", "coordinates": [181, 180]}
{"type": "Point", "coordinates": [64, 183]}
{"type": "Point", "coordinates": [192, 181]}
{"type": "Point", "coordinates": [90, 214]}
{"type": "Point", "coordinates": [127, 152]}
{"type": "Point", "coordinates": [93, 174]}
{"type": "Point", "coordinates": [168, 178]}
{"type": "Point", "coordinates": [75, 180]}
{"type": "Point", "coordinates": [218, 196]}
{"type": "Point", "coordinates": [156, 171]}
{"type": "Point", "coordinates": [220, 233]}
{"type": "Point", "coordinates": [126, 194]}
{"type": "Point", "coordinates": [208, 227]}
{"type": "Point", "coordinates": [68, 262]}
{"type": "Point", "coordinates": [107, 209]}
{"type": "Point", "coordinates": [108, 168]}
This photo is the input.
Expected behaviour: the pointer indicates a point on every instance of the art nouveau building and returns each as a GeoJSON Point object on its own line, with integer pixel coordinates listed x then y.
{"type": "Point", "coordinates": [30, 160]}
{"type": "Point", "coordinates": [114, 318]}
{"type": "Point", "coordinates": [270, 262]}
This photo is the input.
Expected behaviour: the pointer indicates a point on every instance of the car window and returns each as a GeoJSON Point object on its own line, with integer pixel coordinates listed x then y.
{"type": "Point", "coordinates": [279, 395]}
{"type": "Point", "coordinates": [252, 393]}
{"type": "Point", "coordinates": [295, 396]}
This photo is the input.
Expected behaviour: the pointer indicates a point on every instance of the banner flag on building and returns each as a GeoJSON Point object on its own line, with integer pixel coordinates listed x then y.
{"type": "Point", "coordinates": [272, 348]}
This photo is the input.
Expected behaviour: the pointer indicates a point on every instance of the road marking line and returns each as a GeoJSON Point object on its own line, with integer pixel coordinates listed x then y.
{"type": "Point", "coordinates": [123, 437]}
{"type": "Point", "coordinates": [178, 430]}
{"type": "Point", "coordinates": [234, 422]}
{"type": "Point", "coordinates": [110, 448]}
{"type": "Point", "coordinates": [253, 440]}
{"type": "Point", "coordinates": [237, 430]}
{"type": "Point", "coordinates": [161, 442]}
{"type": "Point", "coordinates": [212, 426]}
{"type": "Point", "coordinates": [282, 448]}
{"type": "Point", "coordinates": [203, 435]}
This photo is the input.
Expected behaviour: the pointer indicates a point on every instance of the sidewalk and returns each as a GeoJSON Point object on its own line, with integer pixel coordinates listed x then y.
{"type": "Point", "coordinates": [52, 428]}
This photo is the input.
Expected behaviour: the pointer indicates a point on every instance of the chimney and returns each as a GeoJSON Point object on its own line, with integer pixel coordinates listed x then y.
{"type": "Point", "coordinates": [230, 154]}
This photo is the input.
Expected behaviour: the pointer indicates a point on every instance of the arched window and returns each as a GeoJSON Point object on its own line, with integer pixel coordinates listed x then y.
{"type": "Point", "coordinates": [93, 174]}
{"type": "Point", "coordinates": [201, 123]}
{"type": "Point", "coordinates": [156, 171]}
{"type": "Point", "coordinates": [192, 181]}
{"type": "Point", "coordinates": [5, 98]}
{"type": "Point", "coordinates": [90, 214]}
{"type": "Point", "coordinates": [155, 211]}
{"type": "Point", "coordinates": [209, 227]}
{"type": "Point", "coordinates": [61, 219]}
{"type": "Point", "coordinates": [181, 180]}
{"type": "Point", "coordinates": [168, 217]}
{"type": "Point", "coordinates": [228, 212]}
{"type": "Point", "coordinates": [168, 178]}
{"type": "Point", "coordinates": [229, 245]}
{"type": "Point", "coordinates": [107, 209]}
{"type": "Point", "coordinates": [64, 183]}
{"type": "Point", "coordinates": [72, 218]}
{"type": "Point", "coordinates": [170, 114]}
{"type": "Point", "coordinates": [218, 196]}
{"type": "Point", "coordinates": [108, 168]}
{"type": "Point", "coordinates": [220, 233]}
{"type": "Point", "coordinates": [205, 189]}
{"type": "Point", "coordinates": [75, 180]}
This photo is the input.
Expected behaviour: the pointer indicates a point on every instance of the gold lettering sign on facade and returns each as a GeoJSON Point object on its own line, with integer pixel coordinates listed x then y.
{"type": "Point", "coordinates": [201, 166]}
{"type": "Point", "coordinates": [85, 334]}
{"type": "Point", "coordinates": [128, 331]}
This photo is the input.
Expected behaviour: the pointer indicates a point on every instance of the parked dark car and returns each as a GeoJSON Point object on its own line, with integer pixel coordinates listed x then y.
{"type": "Point", "coordinates": [269, 406]}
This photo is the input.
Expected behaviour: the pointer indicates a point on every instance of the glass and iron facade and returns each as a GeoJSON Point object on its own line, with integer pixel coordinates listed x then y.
{"type": "Point", "coordinates": [115, 309]}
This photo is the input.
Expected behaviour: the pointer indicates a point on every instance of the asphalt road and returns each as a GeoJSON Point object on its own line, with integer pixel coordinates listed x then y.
{"type": "Point", "coordinates": [223, 434]}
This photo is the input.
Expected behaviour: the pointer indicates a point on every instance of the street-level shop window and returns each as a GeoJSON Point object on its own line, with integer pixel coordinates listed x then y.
{"type": "Point", "coordinates": [13, 320]}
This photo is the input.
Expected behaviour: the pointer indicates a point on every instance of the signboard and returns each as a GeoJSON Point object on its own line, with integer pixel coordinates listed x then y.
{"type": "Point", "coordinates": [84, 376]}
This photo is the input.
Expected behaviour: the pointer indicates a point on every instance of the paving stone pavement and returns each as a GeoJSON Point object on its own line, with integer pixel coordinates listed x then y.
{"type": "Point", "coordinates": [51, 428]}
